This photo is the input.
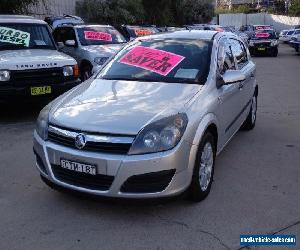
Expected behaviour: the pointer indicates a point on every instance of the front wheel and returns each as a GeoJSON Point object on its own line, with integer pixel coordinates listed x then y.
{"type": "Point", "coordinates": [249, 123]}
{"type": "Point", "coordinates": [204, 169]}
{"type": "Point", "coordinates": [86, 72]}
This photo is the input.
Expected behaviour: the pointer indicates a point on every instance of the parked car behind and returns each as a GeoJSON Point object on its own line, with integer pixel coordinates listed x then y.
{"type": "Point", "coordinates": [90, 45]}
{"type": "Point", "coordinates": [131, 32]}
{"type": "Point", "coordinates": [151, 123]}
{"type": "Point", "coordinates": [287, 36]}
{"type": "Point", "coordinates": [57, 21]}
{"type": "Point", "coordinates": [264, 42]}
{"type": "Point", "coordinates": [295, 41]}
{"type": "Point", "coordinates": [30, 64]}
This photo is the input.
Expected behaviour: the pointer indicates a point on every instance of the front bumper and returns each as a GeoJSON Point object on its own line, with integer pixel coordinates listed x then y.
{"type": "Point", "coordinates": [294, 44]}
{"type": "Point", "coordinates": [8, 90]}
{"type": "Point", "coordinates": [120, 169]}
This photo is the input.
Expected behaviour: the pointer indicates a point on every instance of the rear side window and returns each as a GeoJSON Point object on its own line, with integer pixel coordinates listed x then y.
{"type": "Point", "coordinates": [239, 52]}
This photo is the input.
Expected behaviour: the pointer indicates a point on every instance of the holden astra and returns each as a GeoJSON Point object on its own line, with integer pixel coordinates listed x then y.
{"type": "Point", "coordinates": [153, 119]}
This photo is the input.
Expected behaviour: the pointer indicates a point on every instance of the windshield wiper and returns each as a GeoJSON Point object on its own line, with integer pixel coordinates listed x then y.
{"type": "Point", "coordinates": [11, 46]}
{"type": "Point", "coordinates": [41, 47]}
{"type": "Point", "coordinates": [168, 80]}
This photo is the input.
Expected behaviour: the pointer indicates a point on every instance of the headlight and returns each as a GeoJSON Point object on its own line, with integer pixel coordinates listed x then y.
{"type": "Point", "coordinates": [161, 135]}
{"type": "Point", "coordinates": [4, 75]}
{"type": "Point", "coordinates": [42, 123]}
{"type": "Point", "coordinates": [274, 43]}
{"type": "Point", "coordinates": [68, 71]}
{"type": "Point", "coordinates": [100, 60]}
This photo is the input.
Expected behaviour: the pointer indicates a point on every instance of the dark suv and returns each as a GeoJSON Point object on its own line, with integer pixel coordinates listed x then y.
{"type": "Point", "coordinates": [264, 42]}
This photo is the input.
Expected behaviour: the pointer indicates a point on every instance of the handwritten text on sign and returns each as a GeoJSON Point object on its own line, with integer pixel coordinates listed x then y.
{"type": "Point", "coordinates": [143, 32]}
{"type": "Point", "coordinates": [155, 60]}
{"type": "Point", "coordinates": [9, 35]}
{"type": "Point", "coordinates": [101, 36]}
{"type": "Point", "coordinates": [262, 35]}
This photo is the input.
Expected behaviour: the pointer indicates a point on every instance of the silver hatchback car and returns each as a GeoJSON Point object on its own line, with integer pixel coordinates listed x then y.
{"type": "Point", "coordinates": [151, 123]}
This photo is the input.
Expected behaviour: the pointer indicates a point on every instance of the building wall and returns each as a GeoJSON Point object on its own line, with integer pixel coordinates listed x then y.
{"type": "Point", "coordinates": [53, 7]}
{"type": "Point", "coordinates": [278, 21]}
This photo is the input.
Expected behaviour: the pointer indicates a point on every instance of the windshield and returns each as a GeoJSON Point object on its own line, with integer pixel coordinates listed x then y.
{"type": "Point", "coordinates": [290, 33]}
{"type": "Point", "coordinates": [141, 31]}
{"type": "Point", "coordinates": [263, 35]}
{"type": "Point", "coordinates": [157, 60]}
{"type": "Point", "coordinates": [25, 36]}
{"type": "Point", "coordinates": [98, 35]}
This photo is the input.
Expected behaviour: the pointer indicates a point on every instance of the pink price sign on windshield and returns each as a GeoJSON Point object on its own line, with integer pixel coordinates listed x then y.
{"type": "Point", "coordinates": [96, 35]}
{"type": "Point", "coordinates": [262, 35]}
{"type": "Point", "coordinates": [154, 60]}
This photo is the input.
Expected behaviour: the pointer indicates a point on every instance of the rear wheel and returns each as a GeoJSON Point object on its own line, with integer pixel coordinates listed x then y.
{"type": "Point", "coordinates": [204, 169]}
{"type": "Point", "coordinates": [249, 123]}
{"type": "Point", "coordinates": [297, 47]}
{"type": "Point", "coordinates": [275, 52]}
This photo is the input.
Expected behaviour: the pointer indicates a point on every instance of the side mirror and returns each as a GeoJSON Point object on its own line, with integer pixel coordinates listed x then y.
{"type": "Point", "coordinates": [60, 45]}
{"type": "Point", "coordinates": [233, 76]}
{"type": "Point", "coordinates": [70, 43]}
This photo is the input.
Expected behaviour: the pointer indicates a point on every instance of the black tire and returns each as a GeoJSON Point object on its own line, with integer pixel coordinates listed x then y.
{"type": "Point", "coordinates": [275, 52]}
{"type": "Point", "coordinates": [86, 72]}
{"type": "Point", "coordinates": [297, 48]}
{"type": "Point", "coordinates": [195, 192]}
{"type": "Point", "coordinates": [250, 122]}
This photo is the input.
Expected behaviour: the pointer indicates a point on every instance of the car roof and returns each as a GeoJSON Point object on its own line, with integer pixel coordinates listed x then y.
{"type": "Point", "coordinates": [93, 25]}
{"type": "Point", "coordinates": [20, 19]}
{"type": "Point", "coordinates": [187, 34]}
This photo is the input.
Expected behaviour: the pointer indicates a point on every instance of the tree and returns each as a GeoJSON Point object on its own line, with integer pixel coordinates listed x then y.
{"type": "Point", "coordinates": [16, 6]}
{"type": "Point", "coordinates": [295, 8]}
{"type": "Point", "coordinates": [193, 11]}
{"type": "Point", "coordinates": [158, 12]}
{"type": "Point", "coordinates": [113, 12]}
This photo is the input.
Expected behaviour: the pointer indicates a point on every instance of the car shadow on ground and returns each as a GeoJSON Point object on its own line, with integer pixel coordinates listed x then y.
{"type": "Point", "coordinates": [15, 111]}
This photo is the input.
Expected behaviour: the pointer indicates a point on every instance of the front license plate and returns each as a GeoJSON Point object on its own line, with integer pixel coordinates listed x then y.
{"type": "Point", "coordinates": [78, 167]}
{"type": "Point", "coordinates": [43, 90]}
{"type": "Point", "coordinates": [262, 49]}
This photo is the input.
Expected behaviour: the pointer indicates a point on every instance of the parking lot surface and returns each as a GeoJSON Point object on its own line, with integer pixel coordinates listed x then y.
{"type": "Point", "coordinates": [256, 188]}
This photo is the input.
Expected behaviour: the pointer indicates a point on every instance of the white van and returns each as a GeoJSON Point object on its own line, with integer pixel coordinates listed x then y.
{"type": "Point", "coordinates": [30, 64]}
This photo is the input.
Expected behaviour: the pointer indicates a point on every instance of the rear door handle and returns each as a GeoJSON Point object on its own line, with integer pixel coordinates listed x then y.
{"type": "Point", "coordinates": [241, 85]}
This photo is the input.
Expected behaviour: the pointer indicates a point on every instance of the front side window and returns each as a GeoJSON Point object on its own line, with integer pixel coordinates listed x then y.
{"type": "Point", "coordinates": [98, 35]}
{"type": "Point", "coordinates": [25, 36]}
{"type": "Point", "coordinates": [225, 57]}
{"type": "Point", "coordinates": [161, 60]}
{"type": "Point", "coordinates": [239, 53]}
{"type": "Point", "coordinates": [64, 34]}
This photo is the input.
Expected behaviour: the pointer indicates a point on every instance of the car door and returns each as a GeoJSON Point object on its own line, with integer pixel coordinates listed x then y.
{"type": "Point", "coordinates": [228, 95]}
{"type": "Point", "coordinates": [247, 67]}
{"type": "Point", "coordinates": [63, 34]}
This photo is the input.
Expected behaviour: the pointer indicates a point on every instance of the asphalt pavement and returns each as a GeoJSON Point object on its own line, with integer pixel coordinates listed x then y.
{"type": "Point", "coordinates": [256, 188]}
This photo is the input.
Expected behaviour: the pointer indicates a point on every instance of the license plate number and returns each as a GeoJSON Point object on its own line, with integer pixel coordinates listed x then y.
{"type": "Point", "coordinates": [78, 167]}
{"type": "Point", "coordinates": [43, 90]}
{"type": "Point", "coordinates": [261, 49]}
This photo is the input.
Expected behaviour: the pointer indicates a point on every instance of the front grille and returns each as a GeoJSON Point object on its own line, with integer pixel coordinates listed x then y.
{"type": "Point", "coordinates": [148, 183]}
{"type": "Point", "coordinates": [92, 146]}
{"type": "Point", "coordinates": [94, 182]}
{"type": "Point", "coordinates": [42, 76]}
{"type": "Point", "coordinates": [266, 44]}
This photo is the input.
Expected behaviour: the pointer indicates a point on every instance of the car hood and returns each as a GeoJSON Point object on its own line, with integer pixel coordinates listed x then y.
{"type": "Point", "coordinates": [104, 50]}
{"type": "Point", "coordinates": [119, 107]}
{"type": "Point", "coordinates": [33, 59]}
